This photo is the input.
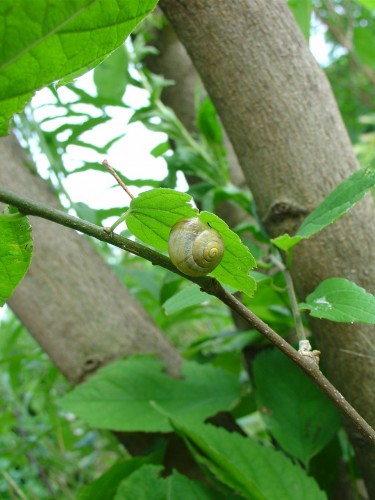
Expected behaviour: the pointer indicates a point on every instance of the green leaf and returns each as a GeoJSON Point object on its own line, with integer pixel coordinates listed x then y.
{"type": "Point", "coordinates": [111, 78]}
{"type": "Point", "coordinates": [297, 413]}
{"type": "Point", "coordinates": [119, 396]}
{"type": "Point", "coordinates": [145, 484]}
{"type": "Point", "coordinates": [188, 297]}
{"type": "Point", "coordinates": [208, 123]}
{"type": "Point", "coordinates": [106, 485]}
{"type": "Point", "coordinates": [286, 242]}
{"type": "Point", "coordinates": [15, 251]}
{"type": "Point", "coordinates": [369, 4]}
{"type": "Point", "coordinates": [334, 206]}
{"type": "Point", "coordinates": [364, 41]}
{"type": "Point", "coordinates": [253, 470]}
{"type": "Point", "coordinates": [153, 214]}
{"type": "Point", "coordinates": [160, 149]}
{"type": "Point", "coordinates": [338, 299]}
{"type": "Point", "coordinates": [59, 39]}
{"type": "Point", "coordinates": [338, 202]}
{"type": "Point", "coordinates": [237, 260]}
{"type": "Point", "coordinates": [302, 12]}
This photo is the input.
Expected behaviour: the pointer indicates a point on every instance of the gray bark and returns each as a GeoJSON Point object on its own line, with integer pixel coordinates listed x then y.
{"type": "Point", "coordinates": [281, 117]}
{"type": "Point", "coordinates": [70, 300]}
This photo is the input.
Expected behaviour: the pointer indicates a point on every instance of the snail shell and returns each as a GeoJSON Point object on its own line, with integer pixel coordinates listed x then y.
{"type": "Point", "coordinates": [194, 247]}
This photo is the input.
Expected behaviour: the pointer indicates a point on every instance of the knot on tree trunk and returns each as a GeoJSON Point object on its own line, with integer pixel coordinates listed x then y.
{"type": "Point", "coordinates": [284, 216]}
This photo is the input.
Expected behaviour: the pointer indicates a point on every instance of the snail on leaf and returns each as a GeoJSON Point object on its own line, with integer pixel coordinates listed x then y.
{"type": "Point", "coordinates": [194, 247]}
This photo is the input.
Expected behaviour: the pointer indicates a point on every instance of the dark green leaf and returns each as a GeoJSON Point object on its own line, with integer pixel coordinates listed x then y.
{"type": "Point", "coordinates": [15, 251]}
{"type": "Point", "coordinates": [253, 470]}
{"type": "Point", "coordinates": [145, 484]}
{"type": "Point", "coordinates": [105, 486]}
{"type": "Point", "coordinates": [119, 396]}
{"type": "Point", "coordinates": [188, 297]}
{"type": "Point", "coordinates": [297, 413]}
{"type": "Point", "coordinates": [341, 300]}
{"type": "Point", "coordinates": [111, 77]}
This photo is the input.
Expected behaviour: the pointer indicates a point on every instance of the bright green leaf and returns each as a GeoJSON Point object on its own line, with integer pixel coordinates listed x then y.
{"type": "Point", "coordinates": [286, 242]}
{"type": "Point", "coordinates": [237, 260]}
{"type": "Point", "coordinates": [208, 123]}
{"type": "Point", "coordinates": [46, 40]}
{"type": "Point", "coordinates": [160, 149]}
{"type": "Point", "coordinates": [15, 251]}
{"type": "Point", "coordinates": [255, 471]}
{"type": "Point", "coordinates": [119, 396]}
{"type": "Point", "coordinates": [341, 300]}
{"type": "Point", "coordinates": [153, 214]}
{"type": "Point", "coordinates": [338, 202]}
{"type": "Point", "coordinates": [302, 12]}
{"type": "Point", "coordinates": [334, 206]}
{"type": "Point", "coordinates": [364, 42]}
{"type": "Point", "coordinates": [369, 4]}
{"type": "Point", "coordinates": [297, 413]}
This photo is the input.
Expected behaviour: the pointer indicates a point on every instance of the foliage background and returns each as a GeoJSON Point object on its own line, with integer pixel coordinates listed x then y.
{"type": "Point", "coordinates": [56, 453]}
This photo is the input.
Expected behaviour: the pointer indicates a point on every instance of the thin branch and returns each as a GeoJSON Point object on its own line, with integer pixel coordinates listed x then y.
{"type": "Point", "coordinates": [207, 284]}
{"type": "Point", "coordinates": [118, 179]}
{"type": "Point", "coordinates": [292, 298]}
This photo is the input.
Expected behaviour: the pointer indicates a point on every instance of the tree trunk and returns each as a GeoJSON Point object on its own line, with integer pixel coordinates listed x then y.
{"type": "Point", "coordinates": [280, 114]}
{"type": "Point", "coordinates": [70, 300]}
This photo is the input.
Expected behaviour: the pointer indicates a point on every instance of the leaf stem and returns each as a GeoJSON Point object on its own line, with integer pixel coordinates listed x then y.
{"type": "Point", "coordinates": [209, 285]}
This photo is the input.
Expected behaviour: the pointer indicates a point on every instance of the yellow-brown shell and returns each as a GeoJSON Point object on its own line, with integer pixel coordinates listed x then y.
{"type": "Point", "coordinates": [194, 247]}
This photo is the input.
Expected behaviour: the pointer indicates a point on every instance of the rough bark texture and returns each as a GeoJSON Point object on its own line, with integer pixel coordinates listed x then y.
{"type": "Point", "coordinates": [70, 300]}
{"type": "Point", "coordinates": [279, 112]}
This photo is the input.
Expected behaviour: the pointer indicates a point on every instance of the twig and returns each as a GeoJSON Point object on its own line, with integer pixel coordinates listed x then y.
{"type": "Point", "coordinates": [14, 485]}
{"type": "Point", "coordinates": [207, 284]}
{"type": "Point", "coordinates": [117, 177]}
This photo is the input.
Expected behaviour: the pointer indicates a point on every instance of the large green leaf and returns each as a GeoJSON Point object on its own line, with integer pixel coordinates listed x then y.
{"type": "Point", "coordinates": [119, 396]}
{"type": "Point", "coordinates": [297, 413]}
{"type": "Point", "coordinates": [15, 251]}
{"type": "Point", "coordinates": [145, 484]}
{"type": "Point", "coordinates": [334, 206]}
{"type": "Point", "coordinates": [47, 40]}
{"type": "Point", "coordinates": [106, 485]}
{"type": "Point", "coordinates": [338, 299]}
{"type": "Point", "coordinates": [253, 470]}
{"type": "Point", "coordinates": [153, 214]}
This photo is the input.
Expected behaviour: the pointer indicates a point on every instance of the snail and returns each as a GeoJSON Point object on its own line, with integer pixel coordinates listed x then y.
{"type": "Point", "coordinates": [194, 247]}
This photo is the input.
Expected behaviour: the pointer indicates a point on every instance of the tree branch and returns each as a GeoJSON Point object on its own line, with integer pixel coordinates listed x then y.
{"type": "Point", "coordinates": [207, 284]}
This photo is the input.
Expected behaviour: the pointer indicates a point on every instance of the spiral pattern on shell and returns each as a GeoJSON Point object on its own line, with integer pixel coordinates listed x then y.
{"type": "Point", "coordinates": [194, 247]}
